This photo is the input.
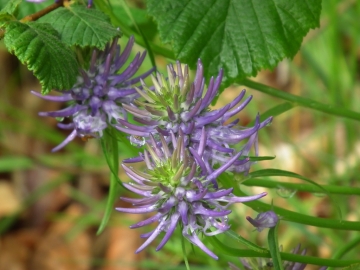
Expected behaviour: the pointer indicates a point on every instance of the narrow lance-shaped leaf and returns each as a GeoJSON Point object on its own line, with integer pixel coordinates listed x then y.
{"type": "Point", "coordinates": [241, 36]}
{"type": "Point", "coordinates": [38, 46]}
{"type": "Point", "coordinates": [82, 26]}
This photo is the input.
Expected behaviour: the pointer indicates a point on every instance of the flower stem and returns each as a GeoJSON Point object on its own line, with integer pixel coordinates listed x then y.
{"type": "Point", "coordinates": [346, 248]}
{"type": "Point", "coordinates": [290, 215]}
{"type": "Point", "coordinates": [274, 248]}
{"type": "Point", "coordinates": [103, 6]}
{"type": "Point", "coordinates": [301, 101]}
{"type": "Point", "coordinates": [333, 189]}
{"type": "Point", "coordinates": [43, 12]}
{"type": "Point", "coordinates": [230, 251]}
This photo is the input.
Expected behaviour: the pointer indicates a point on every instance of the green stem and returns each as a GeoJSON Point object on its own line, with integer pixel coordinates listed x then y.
{"type": "Point", "coordinates": [346, 248]}
{"type": "Point", "coordinates": [342, 190]}
{"type": "Point", "coordinates": [41, 13]}
{"type": "Point", "coordinates": [109, 144]}
{"type": "Point", "coordinates": [274, 248]}
{"type": "Point", "coordinates": [284, 256]}
{"type": "Point", "coordinates": [244, 241]}
{"type": "Point", "coordinates": [184, 253]}
{"type": "Point", "coordinates": [301, 101]}
{"type": "Point", "coordinates": [128, 32]}
{"type": "Point", "coordinates": [301, 218]}
{"type": "Point", "coordinates": [290, 215]}
{"type": "Point", "coordinates": [146, 42]}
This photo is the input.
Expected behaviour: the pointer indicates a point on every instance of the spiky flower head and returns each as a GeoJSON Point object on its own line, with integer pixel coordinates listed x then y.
{"type": "Point", "coordinates": [266, 264]}
{"type": "Point", "coordinates": [264, 220]}
{"type": "Point", "coordinates": [97, 96]}
{"type": "Point", "coordinates": [179, 104]}
{"type": "Point", "coordinates": [176, 187]}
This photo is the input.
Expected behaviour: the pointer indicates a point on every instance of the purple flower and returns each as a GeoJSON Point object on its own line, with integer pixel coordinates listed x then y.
{"type": "Point", "coordinates": [179, 104]}
{"type": "Point", "coordinates": [180, 191]}
{"type": "Point", "coordinates": [266, 264]}
{"type": "Point", "coordinates": [97, 96]}
{"type": "Point", "coordinates": [264, 220]}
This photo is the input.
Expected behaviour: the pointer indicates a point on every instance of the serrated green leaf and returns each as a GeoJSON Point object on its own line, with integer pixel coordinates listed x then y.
{"type": "Point", "coordinates": [241, 36]}
{"type": "Point", "coordinates": [10, 7]}
{"type": "Point", "coordinates": [38, 46]}
{"type": "Point", "coordinates": [82, 26]}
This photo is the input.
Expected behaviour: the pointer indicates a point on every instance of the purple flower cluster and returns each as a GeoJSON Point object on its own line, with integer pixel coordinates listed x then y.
{"type": "Point", "coordinates": [97, 99]}
{"type": "Point", "coordinates": [187, 145]}
{"type": "Point", "coordinates": [177, 104]}
{"type": "Point", "coordinates": [180, 192]}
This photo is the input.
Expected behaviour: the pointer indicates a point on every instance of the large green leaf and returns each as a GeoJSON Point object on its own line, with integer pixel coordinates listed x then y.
{"type": "Point", "coordinates": [82, 26]}
{"type": "Point", "coordinates": [241, 36]}
{"type": "Point", "coordinates": [38, 46]}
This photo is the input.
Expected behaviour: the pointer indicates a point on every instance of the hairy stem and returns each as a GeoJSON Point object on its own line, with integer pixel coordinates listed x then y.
{"type": "Point", "coordinates": [39, 14]}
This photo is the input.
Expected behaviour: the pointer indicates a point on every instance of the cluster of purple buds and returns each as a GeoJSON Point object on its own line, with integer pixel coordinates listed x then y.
{"type": "Point", "coordinates": [177, 105]}
{"type": "Point", "coordinates": [264, 220]}
{"type": "Point", "coordinates": [181, 191]}
{"type": "Point", "coordinates": [266, 264]}
{"type": "Point", "coordinates": [96, 100]}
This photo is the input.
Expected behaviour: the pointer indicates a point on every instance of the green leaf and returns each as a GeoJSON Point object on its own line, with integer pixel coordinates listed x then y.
{"type": "Point", "coordinates": [10, 7]}
{"type": "Point", "coordinates": [224, 249]}
{"type": "Point", "coordinates": [247, 243]}
{"type": "Point", "coordinates": [8, 164]}
{"type": "Point", "coordinates": [241, 36]}
{"type": "Point", "coordinates": [262, 158]}
{"type": "Point", "coordinates": [38, 46]}
{"type": "Point", "coordinates": [82, 26]}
